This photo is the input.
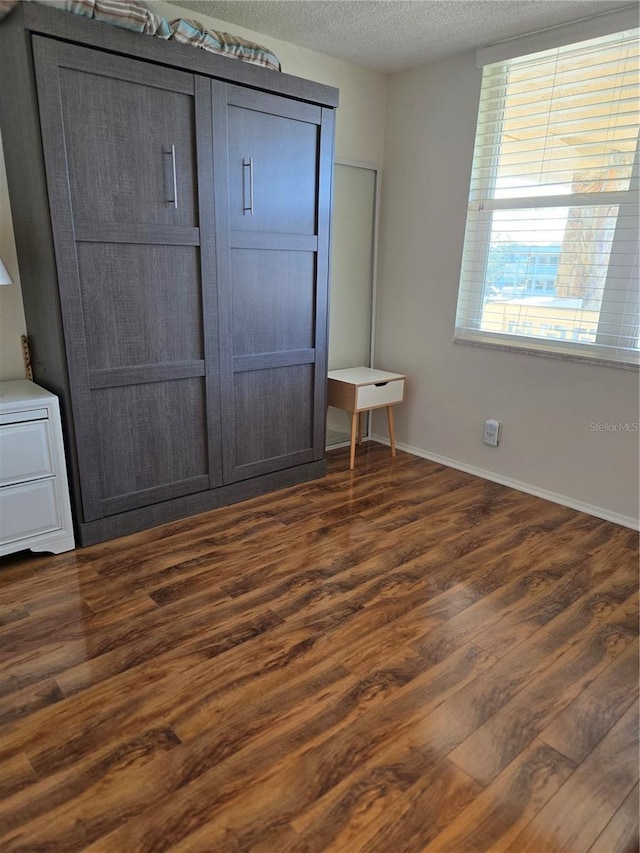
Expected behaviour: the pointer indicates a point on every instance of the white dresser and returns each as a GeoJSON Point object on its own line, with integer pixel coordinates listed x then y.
{"type": "Point", "coordinates": [34, 494]}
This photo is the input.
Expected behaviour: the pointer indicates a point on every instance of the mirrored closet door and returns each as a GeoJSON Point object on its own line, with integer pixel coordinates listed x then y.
{"type": "Point", "coordinates": [352, 303]}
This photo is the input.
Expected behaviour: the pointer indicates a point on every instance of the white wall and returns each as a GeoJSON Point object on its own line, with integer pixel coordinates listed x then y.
{"type": "Point", "coordinates": [359, 136]}
{"type": "Point", "coordinates": [546, 405]}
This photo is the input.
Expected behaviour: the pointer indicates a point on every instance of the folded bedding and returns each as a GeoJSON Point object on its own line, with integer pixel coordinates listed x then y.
{"type": "Point", "coordinates": [224, 44]}
{"type": "Point", "coordinates": [139, 17]}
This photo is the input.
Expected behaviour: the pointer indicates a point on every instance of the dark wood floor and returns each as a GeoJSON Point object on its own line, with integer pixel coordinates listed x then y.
{"type": "Point", "coordinates": [402, 658]}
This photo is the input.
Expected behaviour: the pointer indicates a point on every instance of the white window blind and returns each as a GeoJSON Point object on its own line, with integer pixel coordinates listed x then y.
{"type": "Point", "coordinates": [550, 259]}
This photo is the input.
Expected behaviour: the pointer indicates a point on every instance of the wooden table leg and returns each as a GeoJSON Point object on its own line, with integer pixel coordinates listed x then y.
{"type": "Point", "coordinates": [392, 435]}
{"type": "Point", "coordinates": [354, 429]}
{"type": "Point", "coordinates": [359, 427]}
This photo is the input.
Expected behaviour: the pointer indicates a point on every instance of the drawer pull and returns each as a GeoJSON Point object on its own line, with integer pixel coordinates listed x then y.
{"type": "Point", "coordinates": [381, 384]}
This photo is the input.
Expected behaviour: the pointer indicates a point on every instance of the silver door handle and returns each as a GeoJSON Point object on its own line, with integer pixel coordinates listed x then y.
{"type": "Point", "coordinates": [174, 200]}
{"type": "Point", "coordinates": [248, 164]}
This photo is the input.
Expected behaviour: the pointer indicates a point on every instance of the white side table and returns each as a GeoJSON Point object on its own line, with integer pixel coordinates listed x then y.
{"type": "Point", "coordinates": [359, 389]}
{"type": "Point", "coordinates": [35, 511]}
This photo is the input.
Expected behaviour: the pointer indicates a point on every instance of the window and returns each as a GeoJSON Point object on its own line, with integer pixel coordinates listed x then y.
{"type": "Point", "coordinates": [550, 259]}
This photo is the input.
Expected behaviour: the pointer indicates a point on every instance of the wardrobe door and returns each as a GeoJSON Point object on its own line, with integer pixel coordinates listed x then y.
{"type": "Point", "coordinates": [127, 152]}
{"type": "Point", "coordinates": [272, 164]}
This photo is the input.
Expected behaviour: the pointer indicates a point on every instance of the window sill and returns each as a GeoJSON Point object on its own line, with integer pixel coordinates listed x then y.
{"type": "Point", "coordinates": [530, 348]}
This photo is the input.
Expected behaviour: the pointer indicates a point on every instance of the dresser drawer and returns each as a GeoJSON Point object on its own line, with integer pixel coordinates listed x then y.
{"type": "Point", "coordinates": [28, 509]}
{"type": "Point", "coordinates": [382, 394]}
{"type": "Point", "coordinates": [25, 452]}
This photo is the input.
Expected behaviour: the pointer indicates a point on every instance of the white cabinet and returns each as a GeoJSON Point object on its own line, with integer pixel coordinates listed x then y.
{"type": "Point", "coordinates": [34, 495]}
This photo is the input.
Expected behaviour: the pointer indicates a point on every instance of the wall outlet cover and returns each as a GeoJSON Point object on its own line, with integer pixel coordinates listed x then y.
{"type": "Point", "coordinates": [491, 432]}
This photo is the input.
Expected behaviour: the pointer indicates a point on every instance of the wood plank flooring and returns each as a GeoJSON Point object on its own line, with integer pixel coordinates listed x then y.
{"type": "Point", "coordinates": [400, 658]}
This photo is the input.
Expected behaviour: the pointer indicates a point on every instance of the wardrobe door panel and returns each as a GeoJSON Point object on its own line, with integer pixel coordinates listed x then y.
{"type": "Point", "coordinates": [151, 441]}
{"type": "Point", "coordinates": [272, 165]}
{"type": "Point", "coordinates": [272, 172]}
{"type": "Point", "coordinates": [273, 296]}
{"type": "Point", "coordinates": [128, 160]}
{"type": "Point", "coordinates": [124, 140]}
{"type": "Point", "coordinates": [141, 304]}
{"type": "Point", "coordinates": [273, 407]}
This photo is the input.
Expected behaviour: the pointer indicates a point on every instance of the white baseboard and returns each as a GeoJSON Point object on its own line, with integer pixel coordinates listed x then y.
{"type": "Point", "coordinates": [337, 446]}
{"type": "Point", "coordinates": [554, 497]}
{"type": "Point", "coordinates": [340, 444]}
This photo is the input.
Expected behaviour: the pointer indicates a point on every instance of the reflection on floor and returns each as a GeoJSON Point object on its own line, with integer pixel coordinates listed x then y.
{"type": "Point", "coordinates": [339, 427]}
{"type": "Point", "coordinates": [335, 437]}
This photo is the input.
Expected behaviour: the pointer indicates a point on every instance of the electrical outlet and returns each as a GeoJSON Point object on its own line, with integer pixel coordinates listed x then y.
{"type": "Point", "coordinates": [491, 432]}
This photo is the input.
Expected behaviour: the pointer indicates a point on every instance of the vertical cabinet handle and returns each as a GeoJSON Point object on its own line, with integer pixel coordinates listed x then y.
{"type": "Point", "coordinates": [174, 177]}
{"type": "Point", "coordinates": [248, 164]}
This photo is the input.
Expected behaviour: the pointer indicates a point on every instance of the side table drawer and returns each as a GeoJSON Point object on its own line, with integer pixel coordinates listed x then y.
{"type": "Point", "coordinates": [28, 510]}
{"type": "Point", "coordinates": [25, 452]}
{"type": "Point", "coordinates": [373, 396]}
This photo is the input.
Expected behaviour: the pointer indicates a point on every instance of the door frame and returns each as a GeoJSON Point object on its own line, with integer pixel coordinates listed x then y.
{"type": "Point", "coordinates": [377, 170]}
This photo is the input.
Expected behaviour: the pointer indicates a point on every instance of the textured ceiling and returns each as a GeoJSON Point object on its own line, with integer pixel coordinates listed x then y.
{"type": "Point", "coordinates": [392, 35]}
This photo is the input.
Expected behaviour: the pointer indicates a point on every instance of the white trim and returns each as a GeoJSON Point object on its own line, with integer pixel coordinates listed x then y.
{"type": "Point", "coordinates": [608, 23]}
{"type": "Point", "coordinates": [338, 446]}
{"type": "Point", "coordinates": [543, 348]}
{"type": "Point", "coordinates": [347, 443]}
{"type": "Point", "coordinates": [358, 164]}
{"type": "Point", "coordinates": [554, 497]}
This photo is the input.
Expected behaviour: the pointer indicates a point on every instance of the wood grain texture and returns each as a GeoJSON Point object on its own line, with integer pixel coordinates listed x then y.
{"type": "Point", "coordinates": [497, 742]}
{"type": "Point", "coordinates": [315, 671]}
{"type": "Point", "coordinates": [586, 803]}
{"type": "Point", "coordinates": [621, 833]}
{"type": "Point", "coordinates": [580, 727]}
{"type": "Point", "coordinates": [503, 808]}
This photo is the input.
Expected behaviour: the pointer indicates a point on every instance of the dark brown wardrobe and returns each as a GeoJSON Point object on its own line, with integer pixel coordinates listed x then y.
{"type": "Point", "coordinates": [171, 211]}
